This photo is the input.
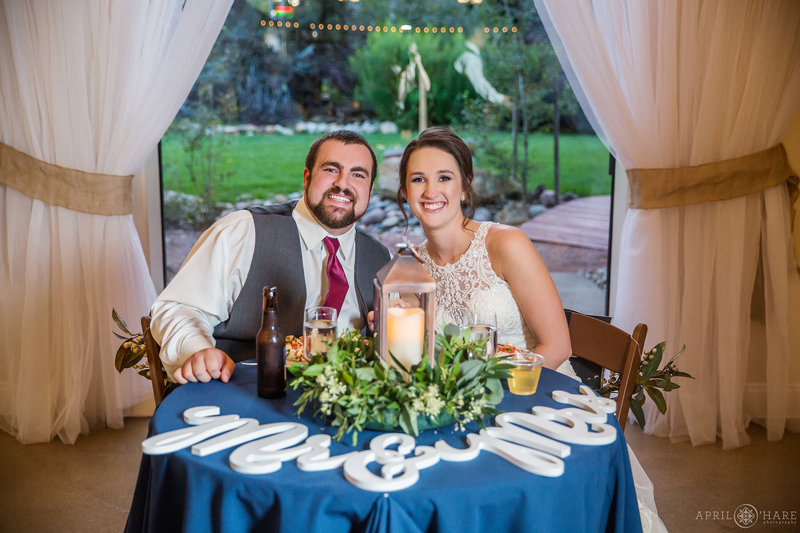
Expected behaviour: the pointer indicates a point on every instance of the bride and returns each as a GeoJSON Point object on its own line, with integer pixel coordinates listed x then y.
{"type": "Point", "coordinates": [482, 270]}
{"type": "Point", "coordinates": [488, 270]}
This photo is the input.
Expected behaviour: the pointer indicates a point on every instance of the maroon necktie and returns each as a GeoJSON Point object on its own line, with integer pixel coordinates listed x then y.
{"type": "Point", "coordinates": [337, 282]}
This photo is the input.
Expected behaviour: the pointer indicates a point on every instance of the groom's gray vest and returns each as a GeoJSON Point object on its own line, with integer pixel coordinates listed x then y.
{"type": "Point", "coordinates": [277, 261]}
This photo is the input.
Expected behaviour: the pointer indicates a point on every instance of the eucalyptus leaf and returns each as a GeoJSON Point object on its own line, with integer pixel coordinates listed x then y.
{"type": "Point", "coordinates": [120, 358]}
{"type": "Point", "coordinates": [451, 330]}
{"type": "Point", "coordinates": [410, 421]}
{"type": "Point", "coordinates": [638, 413]}
{"type": "Point", "coordinates": [657, 398]}
{"type": "Point", "coordinates": [120, 323]}
{"type": "Point", "coordinates": [365, 373]}
{"type": "Point", "coordinates": [469, 370]}
{"type": "Point", "coordinates": [398, 364]}
{"type": "Point", "coordinates": [496, 391]}
{"type": "Point", "coordinates": [347, 378]}
{"type": "Point", "coordinates": [314, 370]}
{"type": "Point", "coordinates": [131, 359]}
{"type": "Point", "coordinates": [652, 366]}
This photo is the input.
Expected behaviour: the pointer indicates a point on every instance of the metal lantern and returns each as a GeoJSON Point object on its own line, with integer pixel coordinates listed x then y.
{"type": "Point", "coordinates": [404, 309]}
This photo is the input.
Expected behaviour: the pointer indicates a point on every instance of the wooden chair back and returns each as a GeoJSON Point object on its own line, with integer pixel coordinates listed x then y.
{"type": "Point", "coordinates": [157, 377]}
{"type": "Point", "coordinates": [612, 348]}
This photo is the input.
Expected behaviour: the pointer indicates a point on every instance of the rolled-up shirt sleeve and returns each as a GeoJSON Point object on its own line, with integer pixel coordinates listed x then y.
{"type": "Point", "coordinates": [203, 291]}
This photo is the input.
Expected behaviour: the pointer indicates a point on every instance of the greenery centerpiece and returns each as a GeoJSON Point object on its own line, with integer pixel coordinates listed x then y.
{"type": "Point", "coordinates": [353, 389]}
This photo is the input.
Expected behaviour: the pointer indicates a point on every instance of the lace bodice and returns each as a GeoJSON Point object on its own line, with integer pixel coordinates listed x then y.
{"type": "Point", "coordinates": [470, 291]}
{"type": "Point", "coordinates": [470, 287]}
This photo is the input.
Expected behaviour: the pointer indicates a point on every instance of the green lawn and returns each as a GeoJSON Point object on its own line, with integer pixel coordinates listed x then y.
{"type": "Point", "coordinates": [263, 165]}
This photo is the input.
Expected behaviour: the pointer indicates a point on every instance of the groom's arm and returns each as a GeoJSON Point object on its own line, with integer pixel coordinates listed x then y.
{"type": "Point", "coordinates": [201, 296]}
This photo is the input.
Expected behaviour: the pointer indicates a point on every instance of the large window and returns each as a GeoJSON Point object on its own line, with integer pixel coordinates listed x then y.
{"type": "Point", "coordinates": [282, 72]}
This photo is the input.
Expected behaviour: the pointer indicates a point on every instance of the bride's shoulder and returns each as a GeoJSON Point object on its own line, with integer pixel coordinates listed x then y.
{"type": "Point", "coordinates": [508, 248]}
{"type": "Point", "coordinates": [500, 237]}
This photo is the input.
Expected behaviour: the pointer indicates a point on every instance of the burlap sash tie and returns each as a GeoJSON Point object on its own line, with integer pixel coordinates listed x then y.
{"type": "Point", "coordinates": [87, 192]}
{"type": "Point", "coordinates": [653, 188]}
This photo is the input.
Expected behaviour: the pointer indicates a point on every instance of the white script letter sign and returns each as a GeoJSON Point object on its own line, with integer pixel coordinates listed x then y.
{"type": "Point", "coordinates": [536, 442]}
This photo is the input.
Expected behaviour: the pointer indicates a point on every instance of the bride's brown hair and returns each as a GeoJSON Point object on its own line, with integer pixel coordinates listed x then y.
{"type": "Point", "coordinates": [443, 139]}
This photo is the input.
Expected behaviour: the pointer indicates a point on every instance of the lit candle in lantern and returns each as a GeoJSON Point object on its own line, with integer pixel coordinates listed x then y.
{"type": "Point", "coordinates": [406, 331]}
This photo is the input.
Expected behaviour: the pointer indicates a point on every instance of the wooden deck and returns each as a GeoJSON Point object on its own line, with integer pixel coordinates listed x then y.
{"type": "Point", "coordinates": [582, 223]}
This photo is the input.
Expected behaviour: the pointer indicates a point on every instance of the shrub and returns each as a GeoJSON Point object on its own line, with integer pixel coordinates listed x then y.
{"type": "Point", "coordinates": [377, 82]}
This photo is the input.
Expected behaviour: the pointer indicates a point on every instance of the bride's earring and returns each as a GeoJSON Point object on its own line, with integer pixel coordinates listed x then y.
{"type": "Point", "coordinates": [463, 197]}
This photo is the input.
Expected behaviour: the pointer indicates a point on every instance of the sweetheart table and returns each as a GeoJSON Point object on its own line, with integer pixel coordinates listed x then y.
{"type": "Point", "coordinates": [181, 491]}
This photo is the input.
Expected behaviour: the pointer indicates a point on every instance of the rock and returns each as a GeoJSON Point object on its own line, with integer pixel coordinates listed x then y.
{"type": "Point", "coordinates": [389, 174]}
{"type": "Point", "coordinates": [548, 198]}
{"type": "Point", "coordinates": [390, 222]}
{"type": "Point", "coordinates": [181, 210]}
{"type": "Point", "coordinates": [488, 187]}
{"type": "Point", "coordinates": [280, 198]}
{"type": "Point", "coordinates": [283, 130]}
{"type": "Point", "coordinates": [388, 128]}
{"type": "Point", "coordinates": [537, 192]}
{"type": "Point", "coordinates": [513, 213]}
{"type": "Point", "coordinates": [373, 216]}
{"type": "Point", "coordinates": [536, 209]}
{"type": "Point", "coordinates": [568, 197]}
{"type": "Point", "coordinates": [368, 127]}
{"type": "Point", "coordinates": [482, 214]}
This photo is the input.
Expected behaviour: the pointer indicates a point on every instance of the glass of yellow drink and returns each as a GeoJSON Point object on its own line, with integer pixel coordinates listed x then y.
{"type": "Point", "coordinates": [527, 367]}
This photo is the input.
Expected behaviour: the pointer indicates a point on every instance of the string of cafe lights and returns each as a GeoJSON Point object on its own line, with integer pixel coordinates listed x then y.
{"type": "Point", "coordinates": [385, 29]}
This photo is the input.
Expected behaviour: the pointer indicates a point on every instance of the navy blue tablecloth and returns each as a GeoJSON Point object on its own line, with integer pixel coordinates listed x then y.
{"type": "Point", "coordinates": [184, 492]}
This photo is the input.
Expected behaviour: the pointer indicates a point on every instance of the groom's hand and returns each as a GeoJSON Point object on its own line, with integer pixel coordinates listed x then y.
{"type": "Point", "coordinates": [204, 366]}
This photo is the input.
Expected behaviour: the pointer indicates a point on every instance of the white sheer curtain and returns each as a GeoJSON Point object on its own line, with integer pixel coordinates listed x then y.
{"type": "Point", "coordinates": [677, 84]}
{"type": "Point", "coordinates": [89, 86]}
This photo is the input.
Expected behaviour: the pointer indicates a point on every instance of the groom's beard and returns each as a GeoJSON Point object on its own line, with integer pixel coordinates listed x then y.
{"type": "Point", "coordinates": [335, 217]}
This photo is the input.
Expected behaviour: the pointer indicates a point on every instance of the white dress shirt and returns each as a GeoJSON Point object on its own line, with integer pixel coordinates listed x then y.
{"type": "Point", "coordinates": [203, 291]}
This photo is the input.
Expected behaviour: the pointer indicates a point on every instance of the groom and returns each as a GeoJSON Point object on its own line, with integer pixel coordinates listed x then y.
{"type": "Point", "coordinates": [209, 314]}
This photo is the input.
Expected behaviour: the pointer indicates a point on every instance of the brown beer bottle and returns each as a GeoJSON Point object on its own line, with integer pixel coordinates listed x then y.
{"type": "Point", "coordinates": [271, 350]}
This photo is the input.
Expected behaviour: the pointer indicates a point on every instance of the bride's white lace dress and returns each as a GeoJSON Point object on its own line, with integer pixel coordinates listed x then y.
{"type": "Point", "coordinates": [470, 288]}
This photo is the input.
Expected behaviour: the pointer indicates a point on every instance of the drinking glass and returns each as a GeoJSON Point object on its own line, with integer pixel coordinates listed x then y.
{"type": "Point", "coordinates": [527, 367]}
{"type": "Point", "coordinates": [483, 330]}
{"type": "Point", "coordinates": [319, 326]}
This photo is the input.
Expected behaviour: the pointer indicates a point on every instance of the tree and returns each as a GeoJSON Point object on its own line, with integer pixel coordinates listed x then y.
{"type": "Point", "coordinates": [533, 76]}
